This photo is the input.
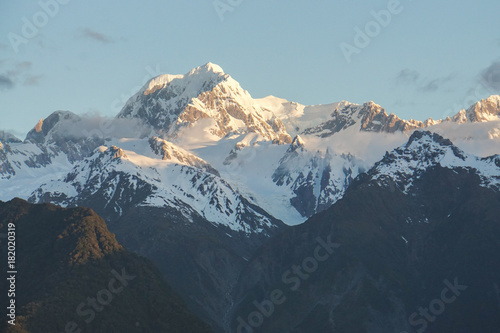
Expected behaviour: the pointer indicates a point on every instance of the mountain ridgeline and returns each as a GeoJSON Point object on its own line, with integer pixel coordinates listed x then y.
{"type": "Point", "coordinates": [238, 201]}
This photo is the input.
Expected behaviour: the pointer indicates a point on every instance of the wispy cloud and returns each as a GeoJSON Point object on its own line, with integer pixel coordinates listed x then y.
{"type": "Point", "coordinates": [436, 84]}
{"type": "Point", "coordinates": [413, 78]}
{"type": "Point", "coordinates": [33, 80]}
{"type": "Point", "coordinates": [97, 36]}
{"type": "Point", "coordinates": [19, 68]}
{"type": "Point", "coordinates": [407, 76]}
{"type": "Point", "coordinates": [6, 83]}
{"type": "Point", "coordinates": [17, 73]}
{"type": "Point", "coordinates": [490, 77]}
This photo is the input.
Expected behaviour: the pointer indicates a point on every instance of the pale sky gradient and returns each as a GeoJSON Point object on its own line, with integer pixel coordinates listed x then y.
{"type": "Point", "coordinates": [92, 55]}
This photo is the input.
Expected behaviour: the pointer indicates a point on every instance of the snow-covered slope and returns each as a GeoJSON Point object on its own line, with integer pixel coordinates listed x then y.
{"type": "Point", "coordinates": [118, 180]}
{"type": "Point", "coordinates": [7, 137]}
{"type": "Point", "coordinates": [314, 180]}
{"type": "Point", "coordinates": [24, 166]}
{"type": "Point", "coordinates": [298, 117]}
{"type": "Point", "coordinates": [170, 152]}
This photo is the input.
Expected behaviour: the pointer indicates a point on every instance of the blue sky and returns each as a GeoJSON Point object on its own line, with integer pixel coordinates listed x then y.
{"type": "Point", "coordinates": [430, 60]}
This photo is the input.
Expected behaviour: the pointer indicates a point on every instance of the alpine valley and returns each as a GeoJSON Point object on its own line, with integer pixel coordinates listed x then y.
{"type": "Point", "coordinates": [229, 196]}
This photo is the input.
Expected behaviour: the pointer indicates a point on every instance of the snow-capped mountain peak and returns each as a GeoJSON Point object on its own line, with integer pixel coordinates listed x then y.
{"type": "Point", "coordinates": [207, 68]}
{"type": "Point", "coordinates": [116, 152]}
{"type": "Point", "coordinates": [425, 150]}
{"type": "Point", "coordinates": [206, 100]}
{"type": "Point", "coordinates": [194, 81]}
{"type": "Point", "coordinates": [44, 129]}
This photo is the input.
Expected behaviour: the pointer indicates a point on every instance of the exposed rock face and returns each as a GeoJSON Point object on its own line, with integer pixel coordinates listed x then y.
{"type": "Point", "coordinates": [484, 110]}
{"type": "Point", "coordinates": [59, 133]}
{"type": "Point", "coordinates": [41, 132]}
{"type": "Point", "coordinates": [369, 117]}
{"type": "Point", "coordinates": [316, 180]}
{"type": "Point", "coordinates": [6, 169]}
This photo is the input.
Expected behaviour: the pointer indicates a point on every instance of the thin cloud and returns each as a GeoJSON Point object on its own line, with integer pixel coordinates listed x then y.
{"type": "Point", "coordinates": [6, 83]}
{"type": "Point", "coordinates": [20, 68]}
{"type": "Point", "coordinates": [411, 77]}
{"type": "Point", "coordinates": [407, 76]}
{"type": "Point", "coordinates": [97, 36]}
{"type": "Point", "coordinates": [490, 77]}
{"type": "Point", "coordinates": [436, 84]}
{"type": "Point", "coordinates": [33, 80]}
{"type": "Point", "coordinates": [18, 73]}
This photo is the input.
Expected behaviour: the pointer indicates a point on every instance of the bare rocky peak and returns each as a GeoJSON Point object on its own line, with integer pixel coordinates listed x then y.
{"type": "Point", "coordinates": [484, 110]}
{"type": "Point", "coordinates": [369, 117]}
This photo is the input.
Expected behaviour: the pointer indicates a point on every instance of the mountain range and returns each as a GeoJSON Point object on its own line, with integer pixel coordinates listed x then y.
{"type": "Point", "coordinates": [196, 174]}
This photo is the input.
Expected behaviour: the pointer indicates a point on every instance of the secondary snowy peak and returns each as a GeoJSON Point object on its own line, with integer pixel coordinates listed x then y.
{"type": "Point", "coordinates": [425, 150]}
{"type": "Point", "coordinates": [170, 152]}
{"type": "Point", "coordinates": [63, 132]}
{"type": "Point", "coordinates": [484, 110]}
{"type": "Point", "coordinates": [368, 117]}
{"type": "Point", "coordinates": [45, 129]}
{"type": "Point", "coordinates": [205, 98]}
